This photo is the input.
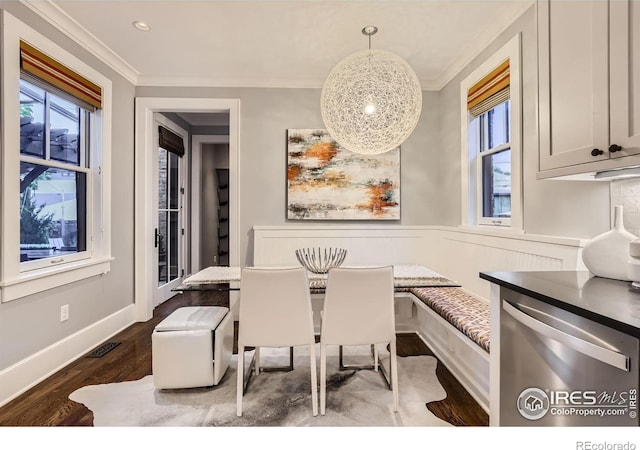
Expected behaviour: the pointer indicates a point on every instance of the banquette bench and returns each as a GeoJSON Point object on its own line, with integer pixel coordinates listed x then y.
{"type": "Point", "coordinates": [453, 323]}
{"type": "Point", "coordinates": [455, 326]}
{"type": "Point", "coordinates": [468, 314]}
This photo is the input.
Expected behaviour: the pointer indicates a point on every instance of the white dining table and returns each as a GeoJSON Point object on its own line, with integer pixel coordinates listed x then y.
{"type": "Point", "coordinates": [222, 278]}
{"type": "Point", "coordinates": [405, 276]}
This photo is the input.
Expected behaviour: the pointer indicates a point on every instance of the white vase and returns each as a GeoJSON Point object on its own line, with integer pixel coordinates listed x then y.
{"type": "Point", "coordinates": [607, 255]}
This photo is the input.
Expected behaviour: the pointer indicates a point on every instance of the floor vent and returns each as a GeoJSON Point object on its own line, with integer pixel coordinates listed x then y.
{"type": "Point", "coordinates": [103, 350]}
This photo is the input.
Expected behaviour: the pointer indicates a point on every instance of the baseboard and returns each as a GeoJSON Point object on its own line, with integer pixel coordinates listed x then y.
{"type": "Point", "coordinates": [25, 374]}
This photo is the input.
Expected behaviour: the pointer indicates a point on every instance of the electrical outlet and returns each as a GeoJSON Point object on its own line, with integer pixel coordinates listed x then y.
{"type": "Point", "coordinates": [64, 313]}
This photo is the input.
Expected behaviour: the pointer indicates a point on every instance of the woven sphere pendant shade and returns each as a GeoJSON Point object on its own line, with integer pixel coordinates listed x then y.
{"type": "Point", "coordinates": [371, 102]}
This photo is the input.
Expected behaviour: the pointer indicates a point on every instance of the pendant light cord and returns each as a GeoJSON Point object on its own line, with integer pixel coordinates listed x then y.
{"type": "Point", "coordinates": [369, 31]}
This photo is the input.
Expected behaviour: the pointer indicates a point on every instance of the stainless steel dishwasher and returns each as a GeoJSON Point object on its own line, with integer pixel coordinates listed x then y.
{"type": "Point", "coordinates": [561, 369]}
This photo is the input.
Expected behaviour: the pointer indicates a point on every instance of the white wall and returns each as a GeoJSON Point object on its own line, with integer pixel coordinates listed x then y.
{"type": "Point", "coordinates": [558, 208]}
{"type": "Point", "coordinates": [31, 324]}
{"type": "Point", "coordinates": [266, 114]}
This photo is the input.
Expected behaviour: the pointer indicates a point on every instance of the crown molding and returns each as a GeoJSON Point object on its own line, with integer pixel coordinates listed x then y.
{"type": "Point", "coordinates": [152, 80]}
{"type": "Point", "coordinates": [83, 37]}
{"type": "Point", "coordinates": [432, 85]}
{"type": "Point", "coordinates": [480, 43]}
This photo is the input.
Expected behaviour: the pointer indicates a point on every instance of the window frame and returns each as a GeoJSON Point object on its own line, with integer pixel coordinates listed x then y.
{"type": "Point", "coordinates": [16, 283]}
{"type": "Point", "coordinates": [82, 167]}
{"type": "Point", "coordinates": [483, 150]}
{"type": "Point", "coordinates": [471, 156]}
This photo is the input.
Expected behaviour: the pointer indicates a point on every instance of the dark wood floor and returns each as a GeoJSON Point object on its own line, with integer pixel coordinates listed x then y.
{"type": "Point", "coordinates": [47, 404]}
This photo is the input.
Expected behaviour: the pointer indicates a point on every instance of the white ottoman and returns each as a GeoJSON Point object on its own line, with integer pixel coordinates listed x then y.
{"type": "Point", "coordinates": [192, 347]}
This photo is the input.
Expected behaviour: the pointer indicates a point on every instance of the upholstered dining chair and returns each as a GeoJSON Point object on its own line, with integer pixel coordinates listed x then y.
{"type": "Point", "coordinates": [359, 310]}
{"type": "Point", "coordinates": [275, 311]}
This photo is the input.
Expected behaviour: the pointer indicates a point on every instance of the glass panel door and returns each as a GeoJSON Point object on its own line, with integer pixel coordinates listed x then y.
{"type": "Point", "coordinates": [168, 198]}
{"type": "Point", "coordinates": [168, 234]}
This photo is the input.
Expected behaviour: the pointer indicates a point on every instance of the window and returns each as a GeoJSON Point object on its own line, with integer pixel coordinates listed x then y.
{"type": "Point", "coordinates": [55, 165]}
{"type": "Point", "coordinates": [494, 167]}
{"type": "Point", "coordinates": [54, 174]}
{"type": "Point", "coordinates": [491, 149]}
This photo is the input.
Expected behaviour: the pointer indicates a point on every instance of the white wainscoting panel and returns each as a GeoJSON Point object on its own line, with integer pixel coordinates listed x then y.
{"type": "Point", "coordinates": [366, 245]}
{"type": "Point", "coordinates": [458, 253]}
{"type": "Point", "coordinates": [462, 255]}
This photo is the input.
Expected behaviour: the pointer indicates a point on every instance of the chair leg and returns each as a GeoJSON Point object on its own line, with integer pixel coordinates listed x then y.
{"type": "Point", "coordinates": [376, 357]}
{"type": "Point", "coordinates": [256, 367]}
{"type": "Point", "coordinates": [314, 379]}
{"type": "Point", "coordinates": [394, 373]}
{"type": "Point", "coordinates": [323, 378]}
{"type": "Point", "coordinates": [240, 387]}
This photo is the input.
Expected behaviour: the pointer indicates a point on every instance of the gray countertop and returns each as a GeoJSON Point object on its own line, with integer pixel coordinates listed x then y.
{"type": "Point", "coordinates": [610, 302]}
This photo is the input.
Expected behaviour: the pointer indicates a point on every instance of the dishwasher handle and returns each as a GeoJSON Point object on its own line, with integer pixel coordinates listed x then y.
{"type": "Point", "coordinates": [602, 354]}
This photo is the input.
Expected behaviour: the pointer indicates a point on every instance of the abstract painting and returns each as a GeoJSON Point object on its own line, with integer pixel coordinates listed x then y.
{"type": "Point", "coordinates": [328, 182]}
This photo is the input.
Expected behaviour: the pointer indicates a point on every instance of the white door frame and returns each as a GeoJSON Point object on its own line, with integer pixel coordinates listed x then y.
{"type": "Point", "coordinates": [197, 140]}
{"type": "Point", "coordinates": [144, 207]}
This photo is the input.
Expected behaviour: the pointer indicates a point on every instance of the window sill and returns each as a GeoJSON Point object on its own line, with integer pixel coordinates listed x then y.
{"type": "Point", "coordinates": [35, 281]}
{"type": "Point", "coordinates": [492, 228]}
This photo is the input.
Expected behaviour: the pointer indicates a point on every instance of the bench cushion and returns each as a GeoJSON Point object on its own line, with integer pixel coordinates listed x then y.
{"type": "Point", "coordinates": [468, 314]}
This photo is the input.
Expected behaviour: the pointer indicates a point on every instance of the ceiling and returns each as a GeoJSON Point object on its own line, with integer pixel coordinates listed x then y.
{"type": "Point", "coordinates": [265, 43]}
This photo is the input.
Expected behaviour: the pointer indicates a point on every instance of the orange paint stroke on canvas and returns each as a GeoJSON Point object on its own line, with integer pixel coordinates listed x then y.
{"type": "Point", "coordinates": [380, 198]}
{"type": "Point", "coordinates": [293, 172]}
{"type": "Point", "coordinates": [323, 151]}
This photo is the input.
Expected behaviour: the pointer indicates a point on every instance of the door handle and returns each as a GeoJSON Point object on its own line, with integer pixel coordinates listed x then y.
{"type": "Point", "coordinates": [602, 354]}
{"type": "Point", "coordinates": [156, 239]}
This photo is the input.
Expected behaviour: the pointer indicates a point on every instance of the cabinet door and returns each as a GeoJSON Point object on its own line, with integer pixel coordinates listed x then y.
{"type": "Point", "coordinates": [625, 76]}
{"type": "Point", "coordinates": [573, 75]}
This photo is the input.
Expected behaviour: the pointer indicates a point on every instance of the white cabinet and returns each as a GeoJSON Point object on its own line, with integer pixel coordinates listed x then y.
{"type": "Point", "coordinates": [624, 60]}
{"type": "Point", "coordinates": [589, 86]}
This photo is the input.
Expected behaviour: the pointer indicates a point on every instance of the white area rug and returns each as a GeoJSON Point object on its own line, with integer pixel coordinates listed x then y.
{"type": "Point", "coordinates": [354, 398]}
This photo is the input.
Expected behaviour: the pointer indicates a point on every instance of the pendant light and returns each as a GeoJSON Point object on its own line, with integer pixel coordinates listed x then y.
{"type": "Point", "coordinates": [371, 100]}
